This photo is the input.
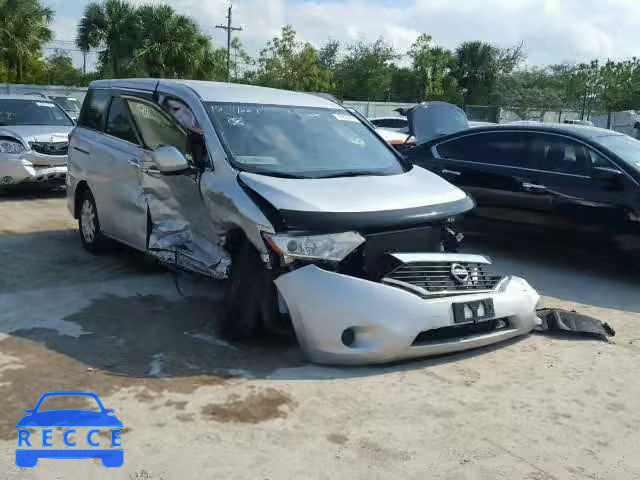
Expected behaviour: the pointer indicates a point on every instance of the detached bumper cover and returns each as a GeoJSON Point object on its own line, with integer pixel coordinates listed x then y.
{"type": "Point", "coordinates": [387, 320]}
{"type": "Point", "coordinates": [31, 168]}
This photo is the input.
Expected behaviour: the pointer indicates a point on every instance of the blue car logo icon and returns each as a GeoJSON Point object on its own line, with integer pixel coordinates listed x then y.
{"type": "Point", "coordinates": [103, 420]}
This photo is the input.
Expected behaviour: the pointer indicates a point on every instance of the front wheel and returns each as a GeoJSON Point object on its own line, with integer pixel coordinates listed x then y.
{"type": "Point", "coordinates": [251, 299]}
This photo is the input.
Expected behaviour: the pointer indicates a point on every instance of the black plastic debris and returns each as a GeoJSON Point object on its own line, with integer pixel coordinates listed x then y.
{"type": "Point", "coordinates": [572, 323]}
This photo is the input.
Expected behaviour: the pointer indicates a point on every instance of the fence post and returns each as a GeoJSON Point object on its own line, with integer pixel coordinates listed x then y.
{"type": "Point", "coordinates": [609, 119]}
{"type": "Point", "coordinates": [560, 116]}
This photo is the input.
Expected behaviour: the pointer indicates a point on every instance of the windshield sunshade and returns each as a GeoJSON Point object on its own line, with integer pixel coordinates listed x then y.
{"type": "Point", "coordinates": [301, 141]}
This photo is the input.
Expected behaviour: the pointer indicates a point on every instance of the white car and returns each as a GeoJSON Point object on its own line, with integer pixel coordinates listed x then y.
{"type": "Point", "coordinates": [34, 139]}
{"type": "Point", "coordinates": [397, 123]}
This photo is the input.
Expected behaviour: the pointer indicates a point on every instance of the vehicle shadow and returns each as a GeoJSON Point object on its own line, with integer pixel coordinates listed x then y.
{"type": "Point", "coordinates": [31, 192]}
{"type": "Point", "coordinates": [589, 272]}
{"type": "Point", "coordinates": [119, 320]}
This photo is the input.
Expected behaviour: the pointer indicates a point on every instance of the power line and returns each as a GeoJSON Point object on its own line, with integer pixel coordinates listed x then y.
{"type": "Point", "coordinates": [229, 28]}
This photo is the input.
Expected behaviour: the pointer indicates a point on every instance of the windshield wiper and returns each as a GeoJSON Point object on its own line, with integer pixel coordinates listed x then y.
{"type": "Point", "coordinates": [277, 174]}
{"type": "Point", "coordinates": [355, 173]}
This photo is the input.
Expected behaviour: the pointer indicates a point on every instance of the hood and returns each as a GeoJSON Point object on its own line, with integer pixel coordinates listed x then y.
{"type": "Point", "coordinates": [430, 120]}
{"type": "Point", "coordinates": [37, 133]}
{"type": "Point", "coordinates": [413, 189]}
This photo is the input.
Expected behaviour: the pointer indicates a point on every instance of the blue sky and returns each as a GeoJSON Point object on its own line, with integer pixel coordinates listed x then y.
{"type": "Point", "coordinates": [552, 31]}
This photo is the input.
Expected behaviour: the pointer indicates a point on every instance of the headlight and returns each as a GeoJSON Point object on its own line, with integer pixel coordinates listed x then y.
{"type": "Point", "coordinates": [11, 146]}
{"type": "Point", "coordinates": [332, 247]}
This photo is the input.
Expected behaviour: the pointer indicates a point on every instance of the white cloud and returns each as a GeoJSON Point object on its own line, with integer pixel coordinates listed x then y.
{"type": "Point", "coordinates": [551, 30]}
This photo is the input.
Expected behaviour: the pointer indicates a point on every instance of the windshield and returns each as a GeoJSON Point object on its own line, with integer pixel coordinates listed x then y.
{"type": "Point", "coordinates": [32, 112]}
{"type": "Point", "coordinates": [301, 141]}
{"type": "Point", "coordinates": [627, 148]}
{"type": "Point", "coordinates": [68, 103]}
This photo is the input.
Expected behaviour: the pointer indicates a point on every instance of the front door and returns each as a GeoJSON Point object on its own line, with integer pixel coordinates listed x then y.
{"type": "Point", "coordinates": [495, 169]}
{"type": "Point", "coordinates": [121, 205]}
{"type": "Point", "coordinates": [586, 191]}
{"type": "Point", "coordinates": [180, 230]}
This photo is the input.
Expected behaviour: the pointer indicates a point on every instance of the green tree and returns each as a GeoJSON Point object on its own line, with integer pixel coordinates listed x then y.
{"type": "Point", "coordinates": [240, 59]}
{"type": "Point", "coordinates": [114, 27]}
{"type": "Point", "coordinates": [476, 67]}
{"type": "Point", "coordinates": [59, 70]}
{"type": "Point", "coordinates": [291, 65]}
{"type": "Point", "coordinates": [171, 44]}
{"type": "Point", "coordinates": [24, 29]}
{"type": "Point", "coordinates": [365, 71]}
{"type": "Point", "coordinates": [405, 86]}
{"type": "Point", "coordinates": [535, 88]}
{"type": "Point", "coordinates": [431, 65]}
{"type": "Point", "coordinates": [328, 54]}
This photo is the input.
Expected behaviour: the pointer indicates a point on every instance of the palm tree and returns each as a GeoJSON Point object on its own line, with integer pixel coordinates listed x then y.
{"type": "Point", "coordinates": [475, 69]}
{"type": "Point", "coordinates": [113, 26]}
{"type": "Point", "coordinates": [171, 44]}
{"type": "Point", "coordinates": [24, 28]}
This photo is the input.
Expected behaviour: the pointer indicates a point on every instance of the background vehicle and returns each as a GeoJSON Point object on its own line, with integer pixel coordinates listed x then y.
{"type": "Point", "coordinates": [33, 140]}
{"type": "Point", "coordinates": [399, 140]}
{"type": "Point", "coordinates": [569, 177]}
{"type": "Point", "coordinates": [71, 105]}
{"type": "Point", "coordinates": [586, 123]}
{"type": "Point", "coordinates": [397, 123]}
{"type": "Point", "coordinates": [286, 193]}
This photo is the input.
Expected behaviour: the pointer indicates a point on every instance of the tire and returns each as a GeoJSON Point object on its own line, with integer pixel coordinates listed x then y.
{"type": "Point", "coordinates": [248, 294]}
{"type": "Point", "coordinates": [89, 225]}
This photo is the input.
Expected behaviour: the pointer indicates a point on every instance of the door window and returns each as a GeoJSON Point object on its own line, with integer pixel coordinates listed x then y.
{"type": "Point", "coordinates": [554, 153]}
{"type": "Point", "coordinates": [94, 109]}
{"type": "Point", "coordinates": [119, 122]}
{"type": "Point", "coordinates": [156, 128]}
{"type": "Point", "coordinates": [496, 148]}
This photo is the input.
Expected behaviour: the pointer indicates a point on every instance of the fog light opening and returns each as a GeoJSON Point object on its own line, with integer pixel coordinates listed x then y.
{"type": "Point", "coordinates": [348, 337]}
{"type": "Point", "coordinates": [6, 180]}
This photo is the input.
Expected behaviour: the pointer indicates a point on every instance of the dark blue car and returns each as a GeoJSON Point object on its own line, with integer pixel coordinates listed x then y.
{"type": "Point", "coordinates": [104, 418]}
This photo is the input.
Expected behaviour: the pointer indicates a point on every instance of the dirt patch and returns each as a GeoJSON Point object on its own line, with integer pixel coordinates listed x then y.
{"type": "Point", "coordinates": [107, 433]}
{"type": "Point", "coordinates": [44, 370]}
{"type": "Point", "coordinates": [337, 438]}
{"type": "Point", "coordinates": [185, 417]}
{"type": "Point", "coordinates": [256, 407]}
{"type": "Point", "coordinates": [175, 404]}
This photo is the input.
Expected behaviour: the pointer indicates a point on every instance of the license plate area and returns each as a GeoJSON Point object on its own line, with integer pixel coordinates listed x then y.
{"type": "Point", "coordinates": [473, 312]}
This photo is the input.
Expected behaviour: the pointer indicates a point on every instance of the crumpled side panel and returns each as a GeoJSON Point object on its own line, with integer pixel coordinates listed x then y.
{"type": "Point", "coordinates": [182, 233]}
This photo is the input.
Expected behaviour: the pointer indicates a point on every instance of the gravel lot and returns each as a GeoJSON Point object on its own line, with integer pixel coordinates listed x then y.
{"type": "Point", "coordinates": [195, 406]}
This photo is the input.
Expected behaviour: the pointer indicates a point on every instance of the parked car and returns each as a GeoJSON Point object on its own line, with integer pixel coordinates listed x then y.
{"type": "Point", "coordinates": [317, 222]}
{"type": "Point", "coordinates": [33, 140]}
{"type": "Point", "coordinates": [400, 141]}
{"type": "Point", "coordinates": [476, 123]}
{"type": "Point", "coordinates": [397, 123]}
{"type": "Point", "coordinates": [69, 104]}
{"type": "Point", "coordinates": [577, 121]}
{"type": "Point", "coordinates": [565, 176]}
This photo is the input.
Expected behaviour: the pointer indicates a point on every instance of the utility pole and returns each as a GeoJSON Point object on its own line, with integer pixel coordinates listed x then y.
{"type": "Point", "coordinates": [229, 28]}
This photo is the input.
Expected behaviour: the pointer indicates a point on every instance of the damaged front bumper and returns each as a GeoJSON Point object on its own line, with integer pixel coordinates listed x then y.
{"type": "Point", "coordinates": [32, 168]}
{"type": "Point", "coordinates": [385, 323]}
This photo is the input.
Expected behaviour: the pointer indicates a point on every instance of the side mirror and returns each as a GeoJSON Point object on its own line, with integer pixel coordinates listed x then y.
{"type": "Point", "coordinates": [608, 176]}
{"type": "Point", "coordinates": [170, 160]}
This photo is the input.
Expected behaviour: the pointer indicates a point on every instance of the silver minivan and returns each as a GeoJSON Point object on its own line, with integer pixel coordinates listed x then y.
{"type": "Point", "coordinates": [318, 224]}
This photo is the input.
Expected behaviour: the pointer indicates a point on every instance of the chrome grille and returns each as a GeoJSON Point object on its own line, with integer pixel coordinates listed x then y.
{"type": "Point", "coordinates": [443, 277]}
{"type": "Point", "coordinates": [50, 148]}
